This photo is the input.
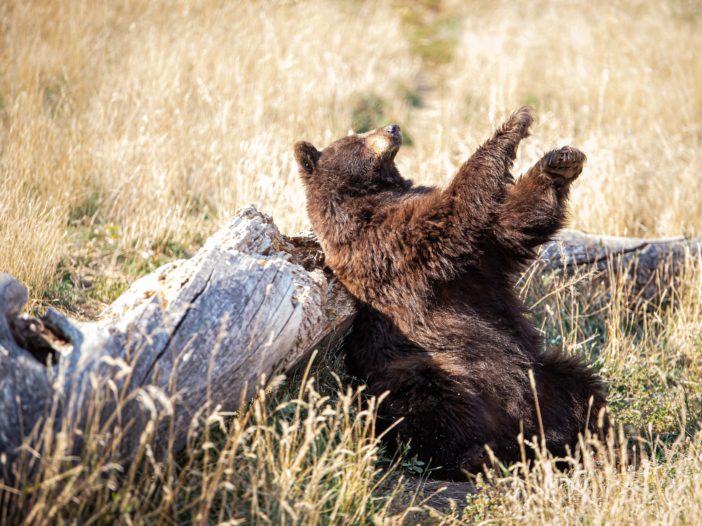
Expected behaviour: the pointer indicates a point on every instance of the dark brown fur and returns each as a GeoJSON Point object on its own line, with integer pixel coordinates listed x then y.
{"type": "Point", "coordinates": [440, 326]}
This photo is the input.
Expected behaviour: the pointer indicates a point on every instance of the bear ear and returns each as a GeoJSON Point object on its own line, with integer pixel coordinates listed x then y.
{"type": "Point", "coordinates": [306, 156]}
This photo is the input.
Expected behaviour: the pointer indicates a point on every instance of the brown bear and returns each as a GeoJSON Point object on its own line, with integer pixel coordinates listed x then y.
{"type": "Point", "coordinates": [440, 326]}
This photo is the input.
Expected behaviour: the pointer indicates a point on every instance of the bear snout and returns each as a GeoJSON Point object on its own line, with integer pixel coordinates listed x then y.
{"type": "Point", "coordinates": [384, 141]}
{"type": "Point", "coordinates": [392, 129]}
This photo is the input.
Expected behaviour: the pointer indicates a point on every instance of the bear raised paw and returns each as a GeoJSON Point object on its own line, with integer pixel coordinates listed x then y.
{"type": "Point", "coordinates": [439, 325]}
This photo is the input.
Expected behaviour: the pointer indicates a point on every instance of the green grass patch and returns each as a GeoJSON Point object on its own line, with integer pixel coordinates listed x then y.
{"type": "Point", "coordinates": [369, 112]}
{"type": "Point", "coordinates": [101, 267]}
{"type": "Point", "coordinates": [432, 30]}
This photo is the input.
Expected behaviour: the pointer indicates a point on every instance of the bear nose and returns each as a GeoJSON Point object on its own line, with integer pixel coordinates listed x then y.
{"type": "Point", "coordinates": [392, 129]}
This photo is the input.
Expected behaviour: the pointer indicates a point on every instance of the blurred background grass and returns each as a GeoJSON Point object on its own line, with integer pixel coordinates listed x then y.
{"type": "Point", "coordinates": [130, 130]}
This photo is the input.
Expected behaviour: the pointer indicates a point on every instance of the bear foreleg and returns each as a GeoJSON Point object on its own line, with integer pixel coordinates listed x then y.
{"type": "Point", "coordinates": [534, 208]}
{"type": "Point", "coordinates": [480, 184]}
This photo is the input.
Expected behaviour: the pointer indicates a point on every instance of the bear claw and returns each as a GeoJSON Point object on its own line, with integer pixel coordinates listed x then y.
{"type": "Point", "coordinates": [519, 122]}
{"type": "Point", "coordinates": [566, 162]}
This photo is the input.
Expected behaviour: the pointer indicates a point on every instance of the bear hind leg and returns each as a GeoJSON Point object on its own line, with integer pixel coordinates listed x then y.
{"type": "Point", "coordinates": [572, 401]}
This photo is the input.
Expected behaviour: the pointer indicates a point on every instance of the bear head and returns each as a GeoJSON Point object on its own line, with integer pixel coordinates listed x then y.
{"type": "Point", "coordinates": [357, 165]}
{"type": "Point", "coordinates": [343, 181]}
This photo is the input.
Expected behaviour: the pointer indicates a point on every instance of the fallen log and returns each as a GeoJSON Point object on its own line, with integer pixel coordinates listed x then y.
{"type": "Point", "coordinates": [199, 334]}
{"type": "Point", "coordinates": [649, 268]}
{"type": "Point", "coordinates": [195, 334]}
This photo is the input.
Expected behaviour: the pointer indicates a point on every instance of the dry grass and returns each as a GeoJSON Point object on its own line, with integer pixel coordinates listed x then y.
{"type": "Point", "coordinates": [130, 130]}
{"type": "Point", "coordinates": [621, 80]}
{"type": "Point", "coordinates": [293, 457]}
{"type": "Point", "coordinates": [160, 120]}
{"type": "Point", "coordinates": [651, 359]}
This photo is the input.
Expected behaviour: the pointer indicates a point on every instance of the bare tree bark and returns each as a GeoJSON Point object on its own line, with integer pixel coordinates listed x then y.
{"type": "Point", "coordinates": [649, 266]}
{"type": "Point", "coordinates": [203, 331]}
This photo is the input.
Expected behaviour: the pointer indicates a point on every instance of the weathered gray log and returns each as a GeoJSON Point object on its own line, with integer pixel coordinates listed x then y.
{"type": "Point", "coordinates": [198, 334]}
{"type": "Point", "coordinates": [194, 334]}
{"type": "Point", "coordinates": [648, 266]}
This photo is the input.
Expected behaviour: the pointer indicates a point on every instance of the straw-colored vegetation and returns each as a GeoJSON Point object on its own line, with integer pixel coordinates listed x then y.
{"type": "Point", "coordinates": [130, 130]}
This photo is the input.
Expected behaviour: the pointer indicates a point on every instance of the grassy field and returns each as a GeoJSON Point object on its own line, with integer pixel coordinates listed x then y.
{"type": "Point", "coordinates": [130, 130]}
